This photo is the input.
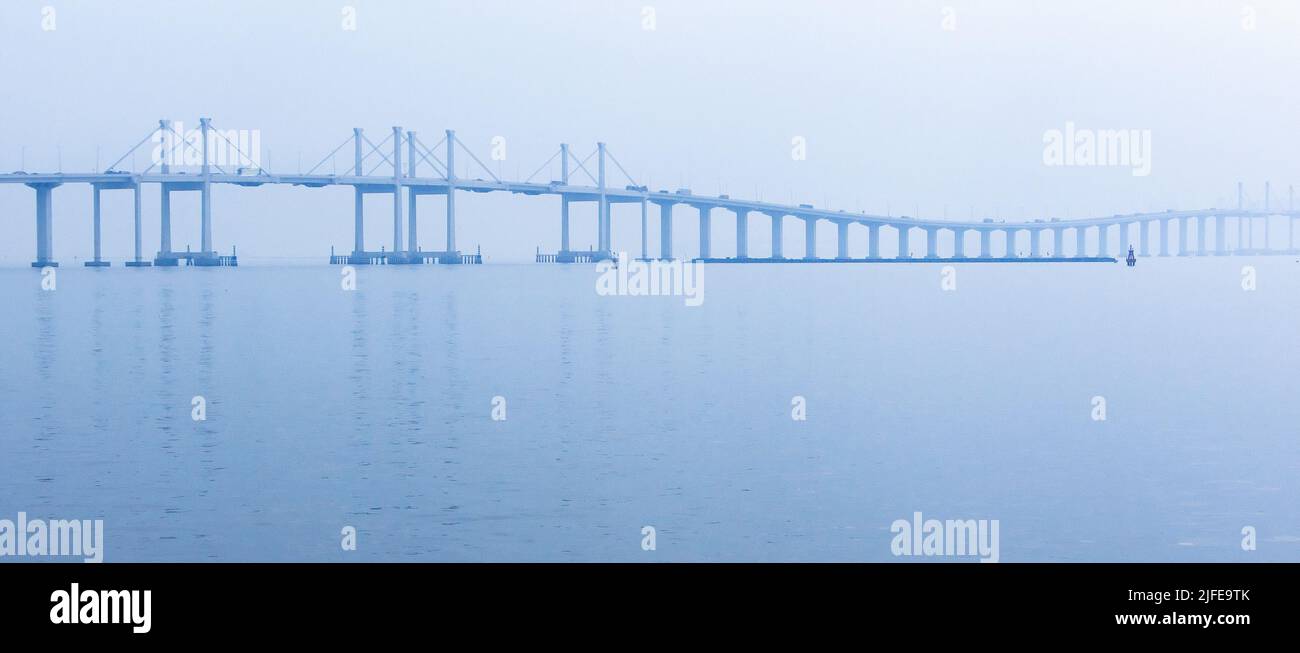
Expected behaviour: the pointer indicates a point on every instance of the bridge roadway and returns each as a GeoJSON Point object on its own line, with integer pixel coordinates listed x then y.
{"type": "Point", "coordinates": [1095, 229]}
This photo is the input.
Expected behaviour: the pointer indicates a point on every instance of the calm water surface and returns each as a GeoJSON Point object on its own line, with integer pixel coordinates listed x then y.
{"type": "Point", "coordinates": [373, 408]}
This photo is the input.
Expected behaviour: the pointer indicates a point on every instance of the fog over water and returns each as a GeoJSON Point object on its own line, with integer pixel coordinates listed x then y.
{"type": "Point", "coordinates": [898, 114]}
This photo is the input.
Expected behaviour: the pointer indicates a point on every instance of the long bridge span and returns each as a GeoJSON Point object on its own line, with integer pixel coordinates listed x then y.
{"type": "Point", "coordinates": [424, 172]}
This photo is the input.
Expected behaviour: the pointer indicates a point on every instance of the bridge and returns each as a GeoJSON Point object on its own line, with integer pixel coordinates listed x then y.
{"type": "Point", "coordinates": [424, 172]}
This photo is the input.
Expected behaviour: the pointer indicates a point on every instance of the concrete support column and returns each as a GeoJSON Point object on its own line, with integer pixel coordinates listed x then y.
{"type": "Point", "coordinates": [564, 199]}
{"type": "Point", "coordinates": [645, 253]}
{"type": "Point", "coordinates": [1164, 237]}
{"type": "Point", "coordinates": [873, 241]}
{"type": "Point", "coordinates": [1058, 242]}
{"type": "Point", "coordinates": [1241, 234]}
{"type": "Point", "coordinates": [358, 228]}
{"type": "Point", "coordinates": [959, 243]}
{"type": "Point", "coordinates": [95, 204]}
{"type": "Point", "coordinates": [564, 223]}
{"type": "Point", "coordinates": [904, 247]}
{"type": "Point", "coordinates": [842, 232]}
{"type": "Point", "coordinates": [1144, 233]}
{"type": "Point", "coordinates": [986, 241]}
{"type": "Point", "coordinates": [397, 190]}
{"type": "Point", "coordinates": [412, 245]}
{"type": "Point", "coordinates": [1035, 243]}
{"type": "Point", "coordinates": [451, 191]}
{"type": "Point", "coordinates": [165, 198]}
{"type": "Point", "coordinates": [44, 226]}
{"type": "Point", "coordinates": [1123, 239]}
{"type": "Point", "coordinates": [1080, 241]}
{"type": "Point", "coordinates": [1200, 236]}
{"type": "Point", "coordinates": [1011, 242]}
{"type": "Point", "coordinates": [1183, 225]}
{"type": "Point", "coordinates": [666, 230]}
{"type": "Point", "coordinates": [706, 231]}
{"type": "Point", "coordinates": [1220, 235]}
{"type": "Point", "coordinates": [138, 243]}
{"type": "Point", "coordinates": [602, 206]}
{"type": "Point", "coordinates": [1103, 240]}
{"type": "Point", "coordinates": [205, 213]}
{"type": "Point", "coordinates": [931, 242]}
{"type": "Point", "coordinates": [742, 233]}
{"type": "Point", "coordinates": [810, 238]}
{"type": "Point", "coordinates": [358, 225]}
{"type": "Point", "coordinates": [776, 235]}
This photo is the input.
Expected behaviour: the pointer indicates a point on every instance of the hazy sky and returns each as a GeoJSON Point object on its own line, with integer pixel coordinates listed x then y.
{"type": "Point", "coordinates": [898, 113]}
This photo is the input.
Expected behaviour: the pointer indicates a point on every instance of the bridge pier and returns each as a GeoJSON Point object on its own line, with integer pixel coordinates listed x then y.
{"type": "Point", "coordinates": [873, 241]}
{"type": "Point", "coordinates": [412, 245]}
{"type": "Point", "coordinates": [164, 255]}
{"type": "Point", "coordinates": [564, 223]}
{"type": "Point", "coordinates": [931, 242]}
{"type": "Point", "coordinates": [397, 195]}
{"type": "Point", "coordinates": [645, 253]}
{"type": "Point", "coordinates": [1220, 235]}
{"type": "Point", "coordinates": [1164, 237]}
{"type": "Point", "coordinates": [1123, 238]}
{"type": "Point", "coordinates": [742, 233]}
{"type": "Point", "coordinates": [165, 225]}
{"type": "Point", "coordinates": [986, 243]}
{"type": "Point", "coordinates": [1011, 242]}
{"type": "Point", "coordinates": [842, 240]}
{"type": "Point", "coordinates": [1183, 225]}
{"type": "Point", "coordinates": [810, 238]}
{"type": "Point", "coordinates": [776, 235]}
{"type": "Point", "coordinates": [44, 226]}
{"type": "Point", "coordinates": [904, 247]}
{"type": "Point", "coordinates": [139, 261]}
{"type": "Point", "coordinates": [452, 254]}
{"type": "Point", "coordinates": [359, 224]}
{"type": "Point", "coordinates": [602, 203]}
{"type": "Point", "coordinates": [97, 262]}
{"type": "Point", "coordinates": [665, 230]}
{"type": "Point", "coordinates": [1103, 240]}
{"type": "Point", "coordinates": [706, 230]}
{"type": "Point", "coordinates": [563, 257]}
{"type": "Point", "coordinates": [1080, 241]}
{"type": "Point", "coordinates": [958, 243]}
{"type": "Point", "coordinates": [205, 214]}
{"type": "Point", "coordinates": [1058, 242]}
{"type": "Point", "coordinates": [1035, 243]}
{"type": "Point", "coordinates": [1144, 235]}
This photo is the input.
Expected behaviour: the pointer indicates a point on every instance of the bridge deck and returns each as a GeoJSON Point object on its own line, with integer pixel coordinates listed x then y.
{"type": "Point", "coordinates": [578, 193]}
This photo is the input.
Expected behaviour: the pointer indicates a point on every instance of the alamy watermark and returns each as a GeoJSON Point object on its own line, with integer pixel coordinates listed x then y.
{"type": "Point", "coordinates": [951, 537]}
{"type": "Point", "coordinates": [55, 538]}
{"type": "Point", "coordinates": [1098, 147]}
{"type": "Point", "coordinates": [627, 277]}
{"type": "Point", "coordinates": [239, 148]}
{"type": "Point", "coordinates": [77, 606]}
